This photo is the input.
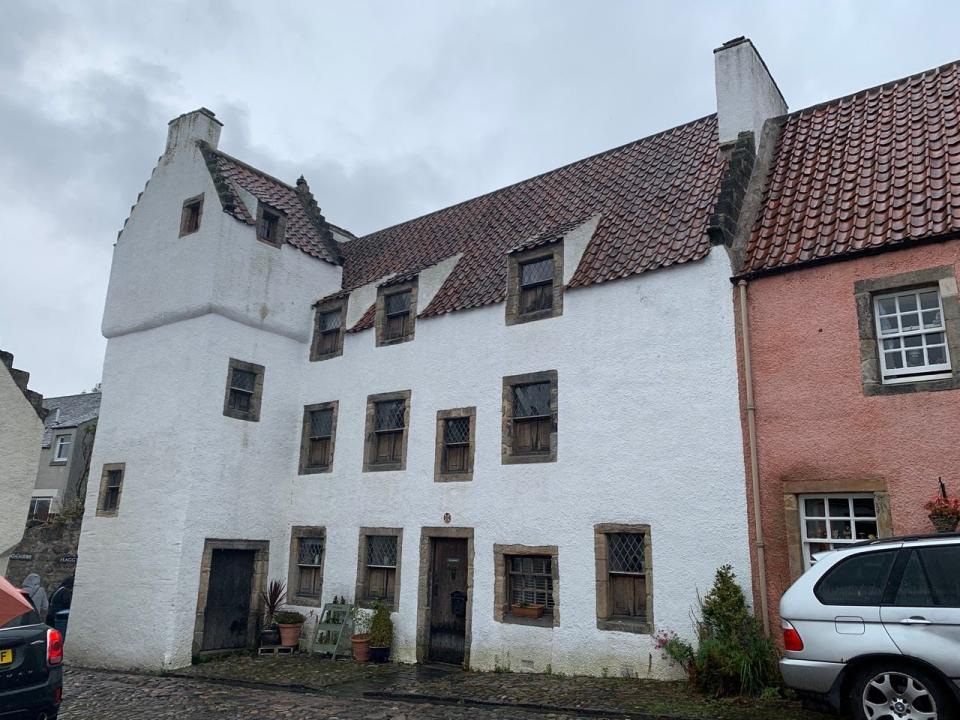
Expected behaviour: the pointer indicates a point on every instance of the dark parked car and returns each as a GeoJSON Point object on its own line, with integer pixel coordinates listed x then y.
{"type": "Point", "coordinates": [31, 676]}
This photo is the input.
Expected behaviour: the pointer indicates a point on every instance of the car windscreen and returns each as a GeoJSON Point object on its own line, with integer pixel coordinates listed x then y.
{"type": "Point", "coordinates": [857, 580]}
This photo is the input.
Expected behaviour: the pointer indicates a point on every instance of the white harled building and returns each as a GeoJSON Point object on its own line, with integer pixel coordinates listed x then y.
{"type": "Point", "coordinates": [516, 419]}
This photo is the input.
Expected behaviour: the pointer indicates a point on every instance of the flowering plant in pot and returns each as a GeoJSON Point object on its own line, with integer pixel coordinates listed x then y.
{"type": "Point", "coordinates": [381, 633]}
{"type": "Point", "coordinates": [360, 640]}
{"type": "Point", "coordinates": [272, 599]}
{"type": "Point", "coordinates": [290, 623]}
{"type": "Point", "coordinates": [944, 512]}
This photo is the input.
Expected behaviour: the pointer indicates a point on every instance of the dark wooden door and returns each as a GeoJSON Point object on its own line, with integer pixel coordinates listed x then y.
{"type": "Point", "coordinates": [227, 613]}
{"type": "Point", "coordinates": [448, 600]}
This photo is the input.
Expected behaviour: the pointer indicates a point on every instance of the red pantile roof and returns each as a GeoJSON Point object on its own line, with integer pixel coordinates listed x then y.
{"type": "Point", "coordinates": [654, 197]}
{"type": "Point", "coordinates": [305, 227]}
{"type": "Point", "coordinates": [876, 169]}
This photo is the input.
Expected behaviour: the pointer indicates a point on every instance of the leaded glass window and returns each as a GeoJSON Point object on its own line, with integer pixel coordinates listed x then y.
{"type": "Point", "coordinates": [536, 285]}
{"type": "Point", "coordinates": [912, 335]}
{"type": "Point", "coordinates": [270, 226]}
{"type": "Point", "coordinates": [456, 444]}
{"type": "Point", "coordinates": [111, 493]}
{"type": "Point", "coordinates": [627, 574]}
{"type": "Point", "coordinates": [242, 386]}
{"type": "Point", "coordinates": [531, 580]}
{"type": "Point", "coordinates": [320, 436]}
{"type": "Point", "coordinates": [310, 566]}
{"type": "Point", "coordinates": [381, 566]}
{"type": "Point", "coordinates": [329, 335]}
{"type": "Point", "coordinates": [389, 426]}
{"type": "Point", "coordinates": [532, 418]}
{"type": "Point", "coordinates": [396, 310]}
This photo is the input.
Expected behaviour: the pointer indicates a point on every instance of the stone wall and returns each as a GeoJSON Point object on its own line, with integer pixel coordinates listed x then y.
{"type": "Point", "coordinates": [50, 550]}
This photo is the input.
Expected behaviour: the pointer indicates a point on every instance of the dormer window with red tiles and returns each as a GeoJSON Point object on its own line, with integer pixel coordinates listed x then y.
{"type": "Point", "coordinates": [535, 284]}
{"type": "Point", "coordinates": [328, 331]}
{"type": "Point", "coordinates": [191, 214]}
{"type": "Point", "coordinates": [270, 225]}
{"type": "Point", "coordinates": [396, 313]}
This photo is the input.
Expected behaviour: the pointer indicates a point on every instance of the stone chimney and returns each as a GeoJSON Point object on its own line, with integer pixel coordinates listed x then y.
{"type": "Point", "coordinates": [747, 95]}
{"type": "Point", "coordinates": [185, 130]}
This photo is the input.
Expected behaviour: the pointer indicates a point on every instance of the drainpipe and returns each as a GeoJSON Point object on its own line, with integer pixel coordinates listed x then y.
{"type": "Point", "coordinates": [754, 464]}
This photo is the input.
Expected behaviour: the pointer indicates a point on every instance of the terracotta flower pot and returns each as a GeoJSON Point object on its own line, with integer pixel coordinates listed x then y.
{"type": "Point", "coordinates": [944, 524]}
{"type": "Point", "coordinates": [361, 647]}
{"type": "Point", "coordinates": [529, 611]}
{"type": "Point", "coordinates": [289, 634]}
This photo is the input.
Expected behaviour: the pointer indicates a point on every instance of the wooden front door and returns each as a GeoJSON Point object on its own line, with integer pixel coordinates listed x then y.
{"type": "Point", "coordinates": [227, 613]}
{"type": "Point", "coordinates": [448, 600]}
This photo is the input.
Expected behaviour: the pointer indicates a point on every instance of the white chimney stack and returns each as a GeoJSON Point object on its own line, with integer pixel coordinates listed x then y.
{"type": "Point", "coordinates": [747, 95]}
{"type": "Point", "coordinates": [185, 130]}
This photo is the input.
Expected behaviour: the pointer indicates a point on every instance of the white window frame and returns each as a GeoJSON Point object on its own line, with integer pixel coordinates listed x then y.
{"type": "Point", "coordinates": [928, 371]}
{"type": "Point", "coordinates": [834, 543]}
{"type": "Point", "coordinates": [38, 498]}
{"type": "Point", "coordinates": [61, 441]}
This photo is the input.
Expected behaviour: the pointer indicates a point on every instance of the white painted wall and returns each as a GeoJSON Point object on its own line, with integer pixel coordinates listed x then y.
{"type": "Point", "coordinates": [21, 432]}
{"type": "Point", "coordinates": [747, 95]}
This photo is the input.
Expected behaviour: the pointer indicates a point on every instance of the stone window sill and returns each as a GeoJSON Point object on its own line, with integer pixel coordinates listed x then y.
{"type": "Point", "coordinates": [639, 627]}
{"type": "Point", "coordinates": [544, 621]}
{"type": "Point", "coordinates": [58, 462]}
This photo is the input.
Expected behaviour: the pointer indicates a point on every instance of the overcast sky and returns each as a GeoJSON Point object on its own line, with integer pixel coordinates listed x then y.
{"type": "Point", "coordinates": [390, 109]}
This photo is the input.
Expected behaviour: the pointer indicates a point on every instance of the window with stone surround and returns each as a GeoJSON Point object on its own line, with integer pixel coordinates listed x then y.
{"type": "Point", "coordinates": [530, 418]}
{"type": "Point", "coordinates": [909, 332]}
{"type": "Point", "coordinates": [329, 323]}
{"type": "Point", "coordinates": [271, 224]}
{"type": "Point", "coordinates": [386, 431]}
{"type": "Point", "coordinates": [624, 568]}
{"type": "Point", "coordinates": [111, 487]}
{"type": "Point", "coordinates": [307, 553]}
{"type": "Point", "coordinates": [318, 435]}
{"type": "Point", "coordinates": [244, 390]}
{"type": "Point", "coordinates": [378, 566]}
{"type": "Point", "coordinates": [456, 434]}
{"type": "Point", "coordinates": [396, 312]}
{"type": "Point", "coordinates": [39, 508]}
{"type": "Point", "coordinates": [190, 215]}
{"type": "Point", "coordinates": [526, 585]}
{"type": "Point", "coordinates": [535, 284]}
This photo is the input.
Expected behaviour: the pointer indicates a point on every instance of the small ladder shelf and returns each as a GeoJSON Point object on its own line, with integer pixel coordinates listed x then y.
{"type": "Point", "coordinates": [333, 630]}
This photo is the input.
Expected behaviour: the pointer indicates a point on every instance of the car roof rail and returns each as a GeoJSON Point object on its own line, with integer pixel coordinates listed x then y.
{"type": "Point", "coordinates": [906, 538]}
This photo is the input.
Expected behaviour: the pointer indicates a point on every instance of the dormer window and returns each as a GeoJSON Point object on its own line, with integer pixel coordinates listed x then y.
{"type": "Point", "coordinates": [535, 284]}
{"type": "Point", "coordinates": [270, 225]}
{"type": "Point", "coordinates": [396, 313]}
{"type": "Point", "coordinates": [190, 217]}
{"type": "Point", "coordinates": [328, 330]}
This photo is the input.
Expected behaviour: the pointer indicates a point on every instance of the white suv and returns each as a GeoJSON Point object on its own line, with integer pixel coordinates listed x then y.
{"type": "Point", "coordinates": [874, 629]}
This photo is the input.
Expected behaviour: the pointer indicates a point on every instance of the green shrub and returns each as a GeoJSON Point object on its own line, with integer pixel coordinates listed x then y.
{"type": "Point", "coordinates": [381, 627]}
{"type": "Point", "coordinates": [733, 656]}
{"type": "Point", "coordinates": [289, 617]}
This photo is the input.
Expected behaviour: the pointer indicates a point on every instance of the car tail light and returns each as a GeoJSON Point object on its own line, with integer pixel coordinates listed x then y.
{"type": "Point", "coordinates": [791, 638]}
{"type": "Point", "coordinates": [54, 647]}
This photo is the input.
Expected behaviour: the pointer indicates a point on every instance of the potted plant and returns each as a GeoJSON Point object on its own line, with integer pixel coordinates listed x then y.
{"type": "Point", "coordinates": [944, 512]}
{"type": "Point", "coordinates": [272, 600]}
{"type": "Point", "coordinates": [360, 640]}
{"type": "Point", "coordinates": [526, 610]}
{"type": "Point", "coordinates": [381, 633]}
{"type": "Point", "coordinates": [290, 623]}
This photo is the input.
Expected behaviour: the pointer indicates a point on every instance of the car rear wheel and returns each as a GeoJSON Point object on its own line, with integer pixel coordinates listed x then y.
{"type": "Point", "coordinates": [897, 693]}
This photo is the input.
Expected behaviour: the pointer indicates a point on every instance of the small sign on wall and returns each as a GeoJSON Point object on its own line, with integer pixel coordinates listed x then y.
{"type": "Point", "coordinates": [67, 560]}
{"type": "Point", "coordinates": [21, 556]}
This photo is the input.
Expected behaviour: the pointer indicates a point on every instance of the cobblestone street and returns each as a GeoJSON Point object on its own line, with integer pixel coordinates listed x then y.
{"type": "Point", "coordinates": [94, 695]}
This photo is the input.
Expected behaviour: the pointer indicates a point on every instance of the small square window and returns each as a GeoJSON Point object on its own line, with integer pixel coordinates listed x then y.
{"type": "Point", "coordinates": [386, 445]}
{"type": "Point", "coordinates": [328, 331]}
{"type": "Point", "coordinates": [244, 390]}
{"type": "Point", "coordinates": [526, 585]}
{"type": "Point", "coordinates": [270, 225]}
{"type": "Point", "coordinates": [455, 444]}
{"type": "Point", "coordinates": [62, 448]}
{"type": "Point", "coordinates": [828, 522]}
{"type": "Point", "coordinates": [191, 214]}
{"type": "Point", "coordinates": [111, 487]}
{"type": "Point", "coordinates": [396, 313]}
{"type": "Point", "coordinates": [912, 335]}
{"type": "Point", "coordinates": [40, 509]}
{"type": "Point", "coordinates": [530, 417]}
{"type": "Point", "coordinates": [317, 442]}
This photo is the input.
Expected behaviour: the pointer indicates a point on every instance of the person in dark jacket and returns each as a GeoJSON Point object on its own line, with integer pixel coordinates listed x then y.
{"type": "Point", "coordinates": [60, 600]}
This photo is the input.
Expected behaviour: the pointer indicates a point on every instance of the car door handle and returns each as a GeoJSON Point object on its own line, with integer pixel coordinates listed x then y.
{"type": "Point", "coordinates": [915, 621]}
